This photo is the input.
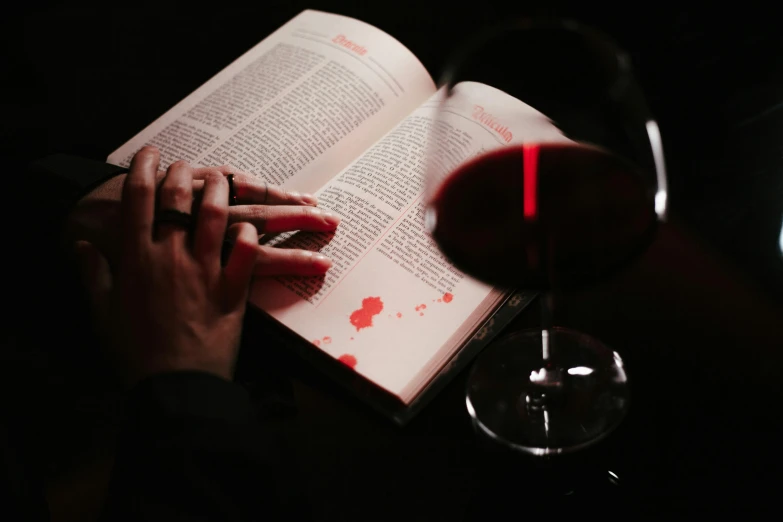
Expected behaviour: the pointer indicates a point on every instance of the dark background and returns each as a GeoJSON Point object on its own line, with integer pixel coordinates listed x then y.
{"type": "Point", "coordinates": [84, 79]}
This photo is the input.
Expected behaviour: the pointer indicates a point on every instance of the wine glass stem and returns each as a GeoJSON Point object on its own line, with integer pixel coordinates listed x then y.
{"type": "Point", "coordinates": [546, 323]}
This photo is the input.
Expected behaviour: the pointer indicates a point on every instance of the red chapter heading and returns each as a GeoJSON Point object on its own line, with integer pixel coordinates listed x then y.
{"type": "Point", "coordinates": [480, 115]}
{"type": "Point", "coordinates": [342, 41]}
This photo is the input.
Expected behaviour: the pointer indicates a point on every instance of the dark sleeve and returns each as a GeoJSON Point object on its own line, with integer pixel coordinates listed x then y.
{"type": "Point", "coordinates": [191, 449]}
{"type": "Point", "coordinates": [61, 180]}
{"type": "Point", "coordinates": [50, 188]}
{"type": "Point", "coordinates": [35, 337]}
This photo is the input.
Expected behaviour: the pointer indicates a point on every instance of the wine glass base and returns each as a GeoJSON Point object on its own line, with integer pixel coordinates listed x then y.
{"type": "Point", "coordinates": [547, 393]}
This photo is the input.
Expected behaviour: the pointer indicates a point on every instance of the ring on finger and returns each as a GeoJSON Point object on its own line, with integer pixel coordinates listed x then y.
{"type": "Point", "coordinates": [172, 216]}
{"type": "Point", "coordinates": [232, 193]}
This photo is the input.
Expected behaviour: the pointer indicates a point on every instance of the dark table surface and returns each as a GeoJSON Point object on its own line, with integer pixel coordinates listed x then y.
{"type": "Point", "coordinates": [698, 317]}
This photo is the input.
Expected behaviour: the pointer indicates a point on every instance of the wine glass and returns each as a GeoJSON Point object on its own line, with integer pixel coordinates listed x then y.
{"type": "Point", "coordinates": [544, 171]}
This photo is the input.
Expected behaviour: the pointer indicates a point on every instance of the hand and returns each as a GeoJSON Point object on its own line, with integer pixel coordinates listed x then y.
{"type": "Point", "coordinates": [167, 304]}
{"type": "Point", "coordinates": [270, 209]}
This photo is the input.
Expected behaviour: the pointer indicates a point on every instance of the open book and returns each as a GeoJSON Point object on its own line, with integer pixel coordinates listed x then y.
{"type": "Point", "coordinates": [333, 106]}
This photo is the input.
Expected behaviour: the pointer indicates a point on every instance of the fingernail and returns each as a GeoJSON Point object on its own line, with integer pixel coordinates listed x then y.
{"type": "Point", "coordinates": [309, 199]}
{"type": "Point", "coordinates": [321, 262]}
{"type": "Point", "coordinates": [294, 194]}
{"type": "Point", "coordinates": [331, 219]}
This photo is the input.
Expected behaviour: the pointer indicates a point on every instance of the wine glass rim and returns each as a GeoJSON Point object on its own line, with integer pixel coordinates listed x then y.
{"type": "Point", "coordinates": [609, 46]}
{"type": "Point", "coordinates": [624, 80]}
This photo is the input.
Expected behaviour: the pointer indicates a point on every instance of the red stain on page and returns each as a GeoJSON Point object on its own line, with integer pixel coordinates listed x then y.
{"type": "Point", "coordinates": [399, 315]}
{"type": "Point", "coordinates": [362, 318]}
{"type": "Point", "coordinates": [348, 360]}
{"type": "Point", "coordinates": [317, 342]}
{"type": "Point", "coordinates": [421, 307]}
{"type": "Point", "coordinates": [327, 340]}
{"type": "Point", "coordinates": [447, 297]}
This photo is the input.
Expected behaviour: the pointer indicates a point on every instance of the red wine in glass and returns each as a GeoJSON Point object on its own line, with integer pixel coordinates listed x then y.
{"type": "Point", "coordinates": [543, 215]}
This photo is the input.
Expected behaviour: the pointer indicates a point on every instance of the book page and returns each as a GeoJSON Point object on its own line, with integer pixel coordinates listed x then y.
{"type": "Point", "coordinates": [392, 306]}
{"type": "Point", "coordinates": [297, 107]}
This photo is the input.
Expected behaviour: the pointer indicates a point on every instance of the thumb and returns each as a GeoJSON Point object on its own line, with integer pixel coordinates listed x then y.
{"type": "Point", "coordinates": [95, 272]}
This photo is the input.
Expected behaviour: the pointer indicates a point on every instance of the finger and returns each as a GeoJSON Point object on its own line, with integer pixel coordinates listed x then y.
{"type": "Point", "coordinates": [96, 274]}
{"type": "Point", "coordinates": [241, 262]}
{"type": "Point", "coordinates": [176, 193]}
{"type": "Point", "coordinates": [288, 261]}
{"type": "Point", "coordinates": [252, 191]}
{"type": "Point", "coordinates": [138, 198]}
{"type": "Point", "coordinates": [271, 219]}
{"type": "Point", "coordinates": [212, 221]}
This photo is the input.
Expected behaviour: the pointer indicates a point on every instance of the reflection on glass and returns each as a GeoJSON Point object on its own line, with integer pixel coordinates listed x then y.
{"type": "Point", "coordinates": [781, 238]}
{"type": "Point", "coordinates": [580, 370]}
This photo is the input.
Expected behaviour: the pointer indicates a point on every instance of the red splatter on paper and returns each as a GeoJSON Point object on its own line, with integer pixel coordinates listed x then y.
{"type": "Point", "coordinates": [421, 307]}
{"type": "Point", "coordinates": [348, 360]}
{"type": "Point", "coordinates": [317, 342]}
{"type": "Point", "coordinates": [439, 300]}
{"type": "Point", "coordinates": [362, 318]}
{"type": "Point", "coordinates": [327, 340]}
{"type": "Point", "coordinates": [447, 297]}
{"type": "Point", "coordinates": [399, 314]}
{"type": "Point", "coordinates": [351, 338]}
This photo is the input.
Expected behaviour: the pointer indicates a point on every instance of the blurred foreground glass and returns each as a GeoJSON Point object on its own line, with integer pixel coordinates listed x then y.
{"type": "Point", "coordinates": [563, 190]}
